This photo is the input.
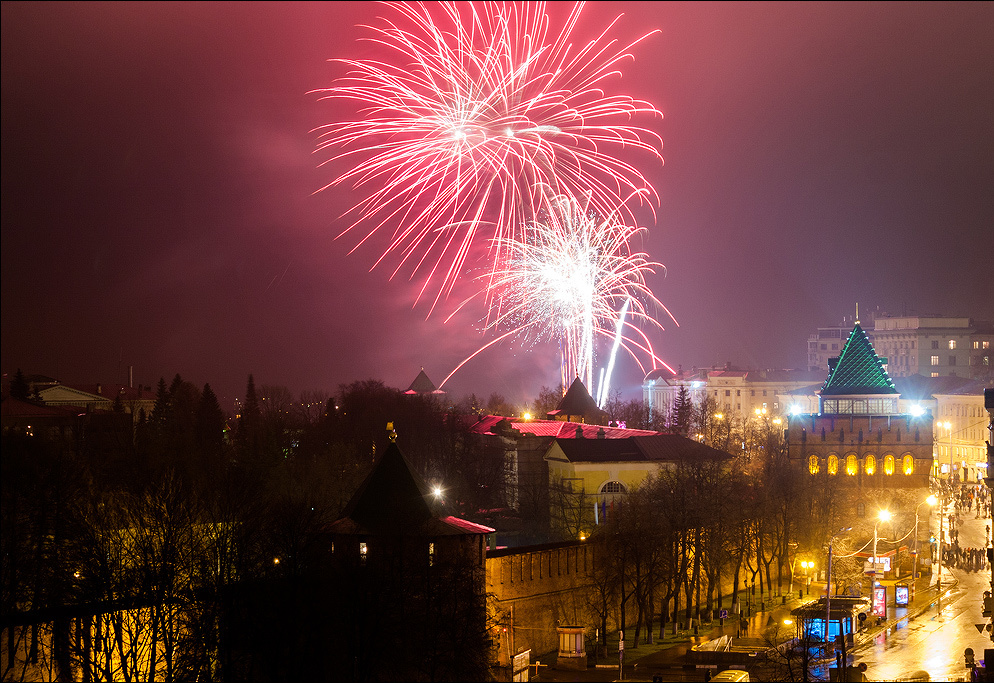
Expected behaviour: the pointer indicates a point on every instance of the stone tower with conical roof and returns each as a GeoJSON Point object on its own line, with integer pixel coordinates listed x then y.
{"type": "Point", "coordinates": [860, 452]}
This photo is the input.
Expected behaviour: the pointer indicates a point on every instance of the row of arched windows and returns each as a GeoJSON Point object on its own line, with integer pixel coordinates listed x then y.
{"type": "Point", "coordinates": [852, 465]}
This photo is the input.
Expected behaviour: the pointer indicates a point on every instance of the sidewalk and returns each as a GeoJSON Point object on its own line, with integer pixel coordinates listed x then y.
{"type": "Point", "coordinates": [671, 652]}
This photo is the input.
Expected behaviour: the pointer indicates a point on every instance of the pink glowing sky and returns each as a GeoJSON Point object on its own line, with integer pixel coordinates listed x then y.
{"type": "Point", "coordinates": [159, 176]}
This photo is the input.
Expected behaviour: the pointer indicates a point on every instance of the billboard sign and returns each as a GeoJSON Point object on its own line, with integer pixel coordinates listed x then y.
{"type": "Point", "coordinates": [879, 601]}
{"type": "Point", "coordinates": [901, 594]}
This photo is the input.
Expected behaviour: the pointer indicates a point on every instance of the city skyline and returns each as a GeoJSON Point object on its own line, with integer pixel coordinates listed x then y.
{"type": "Point", "coordinates": [160, 204]}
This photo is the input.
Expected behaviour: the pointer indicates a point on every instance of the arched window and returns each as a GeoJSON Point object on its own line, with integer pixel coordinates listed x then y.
{"type": "Point", "coordinates": [614, 487]}
{"type": "Point", "coordinates": [908, 464]}
{"type": "Point", "coordinates": [888, 464]}
{"type": "Point", "coordinates": [813, 466]}
{"type": "Point", "coordinates": [833, 464]}
{"type": "Point", "coordinates": [852, 465]}
{"type": "Point", "coordinates": [870, 465]}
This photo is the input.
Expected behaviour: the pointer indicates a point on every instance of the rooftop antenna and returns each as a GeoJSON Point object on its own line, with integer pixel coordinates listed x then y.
{"type": "Point", "coordinates": [857, 313]}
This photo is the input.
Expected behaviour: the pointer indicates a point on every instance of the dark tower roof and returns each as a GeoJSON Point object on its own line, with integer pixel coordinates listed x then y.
{"type": "Point", "coordinates": [857, 370]}
{"type": "Point", "coordinates": [421, 385]}
{"type": "Point", "coordinates": [392, 494]}
{"type": "Point", "coordinates": [578, 402]}
{"type": "Point", "coordinates": [394, 501]}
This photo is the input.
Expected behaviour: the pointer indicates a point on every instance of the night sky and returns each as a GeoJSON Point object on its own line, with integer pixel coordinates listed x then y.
{"type": "Point", "coordinates": [160, 207]}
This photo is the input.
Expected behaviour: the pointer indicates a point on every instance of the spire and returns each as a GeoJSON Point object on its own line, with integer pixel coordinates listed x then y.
{"type": "Point", "coordinates": [422, 385]}
{"type": "Point", "coordinates": [858, 369]}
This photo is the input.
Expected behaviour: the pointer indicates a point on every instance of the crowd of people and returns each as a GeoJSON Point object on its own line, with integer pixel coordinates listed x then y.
{"type": "Point", "coordinates": [966, 499]}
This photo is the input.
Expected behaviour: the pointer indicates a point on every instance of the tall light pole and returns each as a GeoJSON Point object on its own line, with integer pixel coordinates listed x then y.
{"type": "Point", "coordinates": [931, 500]}
{"type": "Point", "coordinates": [828, 582]}
{"type": "Point", "coordinates": [938, 580]}
{"type": "Point", "coordinates": [882, 516]}
{"type": "Point", "coordinates": [948, 426]}
{"type": "Point", "coordinates": [806, 565]}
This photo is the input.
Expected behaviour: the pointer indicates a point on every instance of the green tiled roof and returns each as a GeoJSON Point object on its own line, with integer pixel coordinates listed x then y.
{"type": "Point", "coordinates": [858, 369]}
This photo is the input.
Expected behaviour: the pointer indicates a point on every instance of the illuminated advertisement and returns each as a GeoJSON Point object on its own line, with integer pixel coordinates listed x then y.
{"type": "Point", "coordinates": [879, 601]}
{"type": "Point", "coordinates": [901, 595]}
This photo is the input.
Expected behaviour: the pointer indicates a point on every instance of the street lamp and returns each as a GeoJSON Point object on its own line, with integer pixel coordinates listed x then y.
{"type": "Point", "coordinates": [828, 582]}
{"type": "Point", "coordinates": [938, 578]}
{"type": "Point", "coordinates": [806, 565]}
{"type": "Point", "coordinates": [882, 516]}
{"type": "Point", "coordinates": [948, 426]}
{"type": "Point", "coordinates": [931, 500]}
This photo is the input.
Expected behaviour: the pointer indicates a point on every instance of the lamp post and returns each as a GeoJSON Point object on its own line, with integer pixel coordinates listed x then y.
{"type": "Point", "coordinates": [938, 579]}
{"type": "Point", "coordinates": [828, 581]}
{"type": "Point", "coordinates": [948, 426]}
{"type": "Point", "coordinates": [882, 516]}
{"type": "Point", "coordinates": [931, 500]}
{"type": "Point", "coordinates": [806, 565]}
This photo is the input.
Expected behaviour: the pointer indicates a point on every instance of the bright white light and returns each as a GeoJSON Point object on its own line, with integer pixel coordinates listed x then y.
{"type": "Point", "coordinates": [795, 409]}
{"type": "Point", "coordinates": [619, 333]}
{"type": "Point", "coordinates": [917, 410]}
{"type": "Point", "coordinates": [437, 491]}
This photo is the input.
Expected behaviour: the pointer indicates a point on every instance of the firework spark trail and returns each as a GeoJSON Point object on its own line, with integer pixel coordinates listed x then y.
{"type": "Point", "coordinates": [567, 281]}
{"type": "Point", "coordinates": [477, 112]}
{"type": "Point", "coordinates": [605, 383]}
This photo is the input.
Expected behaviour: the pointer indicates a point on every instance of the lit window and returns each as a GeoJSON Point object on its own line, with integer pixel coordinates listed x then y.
{"type": "Point", "coordinates": [614, 487]}
{"type": "Point", "coordinates": [952, 344]}
{"type": "Point", "coordinates": [362, 553]}
{"type": "Point", "coordinates": [870, 465]}
{"type": "Point", "coordinates": [976, 345]}
{"type": "Point", "coordinates": [935, 360]}
{"type": "Point", "coordinates": [852, 466]}
{"type": "Point", "coordinates": [431, 554]}
{"type": "Point", "coordinates": [986, 345]}
{"type": "Point", "coordinates": [935, 374]}
{"type": "Point", "coordinates": [888, 465]}
{"type": "Point", "coordinates": [908, 464]}
{"type": "Point", "coordinates": [813, 466]}
{"type": "Point", "coordinates": [833, 464]}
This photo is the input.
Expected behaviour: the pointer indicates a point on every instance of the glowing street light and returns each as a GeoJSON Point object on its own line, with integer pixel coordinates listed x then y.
{"type": "Point", "coordinates": [828, 582]}
{"type": "Point", "coordinates": [882, 516]}
{"type": "Point", "coordinates": [807, 565]}
{"type": "Point", "coordinates": [931, 500]}
{"type": "Point", "coordinates": [948, 426]}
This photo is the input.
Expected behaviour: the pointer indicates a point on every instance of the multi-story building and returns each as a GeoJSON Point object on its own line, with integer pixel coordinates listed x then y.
{"type": "Point", "coordinates": [960, 429]}
{"type": "Point", "coordinates": [827, 342]}
{"type": "Point", "coordinates": [734, 391]}
{"type": "Point", "coordinates": [934, 346]}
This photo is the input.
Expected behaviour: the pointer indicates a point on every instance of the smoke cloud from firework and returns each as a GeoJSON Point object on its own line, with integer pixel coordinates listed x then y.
{"type": "Point", "coordinates": [475, 119]}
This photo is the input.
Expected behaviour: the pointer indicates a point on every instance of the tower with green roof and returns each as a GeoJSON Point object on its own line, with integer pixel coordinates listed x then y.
{"type": "Point", "coordinates": [857, 381]}
{"type": "Point", "coordinates": [860, 454]}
